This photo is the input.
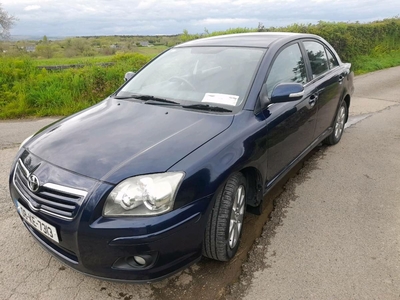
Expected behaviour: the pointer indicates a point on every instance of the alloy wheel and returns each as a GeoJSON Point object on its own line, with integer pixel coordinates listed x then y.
{"type": "Point", "coordinates": [237, 214]}
{"type": "Point", "coordinates": [340, 120]}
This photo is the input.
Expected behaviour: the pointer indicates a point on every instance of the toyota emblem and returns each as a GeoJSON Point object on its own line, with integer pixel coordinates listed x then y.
{"type": "Point", "coordinates": [33, 183]}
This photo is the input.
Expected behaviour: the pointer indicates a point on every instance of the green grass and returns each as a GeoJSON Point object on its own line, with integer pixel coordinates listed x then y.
{"type": "Point", "coordinates": [365, 64]}
{"type": "Point", "coordinates": [151, 51]}
{"type": "Point", "coordinates": [27, 91]}
{"type": "Point", "coordinates": [72, 60]}
{"type": "Point", "coordinates": [147, 51]}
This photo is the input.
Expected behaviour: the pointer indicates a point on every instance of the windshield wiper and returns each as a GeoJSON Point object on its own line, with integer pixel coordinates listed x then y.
{"type": "Point", "coordinates": [160, 101]}
{"type": "Point", "coordinates": [206, 107]}
{"type": "Point", "coordinates": [148, 99]}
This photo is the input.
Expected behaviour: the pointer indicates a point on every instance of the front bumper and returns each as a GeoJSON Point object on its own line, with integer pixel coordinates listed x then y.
{"type": "Point", "coordinates": [104, 247]}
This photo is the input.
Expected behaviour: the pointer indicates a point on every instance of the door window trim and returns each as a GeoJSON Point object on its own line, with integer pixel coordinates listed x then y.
{"type": "Point", "coordinates": [334, 56]}
{"type": "Point", "coordinates": [284, 47]}
{"type": "Point", "coordinates": [309, 71]}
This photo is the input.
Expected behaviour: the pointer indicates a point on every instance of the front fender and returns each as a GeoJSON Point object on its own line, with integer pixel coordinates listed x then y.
{"type": "Point", "coordinates": [209, 166]}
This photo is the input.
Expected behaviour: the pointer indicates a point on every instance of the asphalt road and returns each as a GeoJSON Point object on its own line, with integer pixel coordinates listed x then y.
{"type": "Point", "coordinates": [334, 232]}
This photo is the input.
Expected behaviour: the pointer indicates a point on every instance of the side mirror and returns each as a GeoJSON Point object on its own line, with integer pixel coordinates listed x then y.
{"type": "Point", "coordinates": [286, 92]}
{"type": "Point", "coordinates": [129, 75]}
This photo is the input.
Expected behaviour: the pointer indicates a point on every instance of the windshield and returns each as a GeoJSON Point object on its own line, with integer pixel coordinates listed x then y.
{"type": "Point", "coordinates": [218, 76]}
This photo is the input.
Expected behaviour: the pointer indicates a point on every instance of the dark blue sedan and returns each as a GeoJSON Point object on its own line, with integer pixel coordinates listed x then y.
{"type": "Point", "coordinates": [160, 173]}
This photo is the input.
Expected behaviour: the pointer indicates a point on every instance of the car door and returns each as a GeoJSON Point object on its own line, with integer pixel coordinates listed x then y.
{"type": "Point", "coordinates": [326, 80]}
{"type": "Point", "coordinates": [291, 125]}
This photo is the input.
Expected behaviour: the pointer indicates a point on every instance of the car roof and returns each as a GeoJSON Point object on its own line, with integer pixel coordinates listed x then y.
{"type": "Point", "coordinates": [256, 39]}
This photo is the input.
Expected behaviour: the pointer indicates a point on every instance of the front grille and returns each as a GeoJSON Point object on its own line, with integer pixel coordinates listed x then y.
{"type": "Point", "coordinates": [51, 199]}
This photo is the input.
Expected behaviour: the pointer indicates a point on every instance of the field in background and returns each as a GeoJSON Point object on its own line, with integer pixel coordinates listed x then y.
{"type": "Point", "coordinates": [72, 60]}
{"type": "Point", "coordinates": [26, 90]}
{"type": "Point", "coordinates": [147, 51]}
{"type": "Point", "coordinates": [90, 46]}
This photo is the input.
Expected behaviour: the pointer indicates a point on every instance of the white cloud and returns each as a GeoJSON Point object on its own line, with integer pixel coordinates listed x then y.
{"type": "Point", "coordinates": [32, 7]}
{"type": "Point", "coordinates": [146, 4]}
{"type": "Point", "coordinates": [211, 21]}
{"type": "Point", "coordinates": [105, 17]}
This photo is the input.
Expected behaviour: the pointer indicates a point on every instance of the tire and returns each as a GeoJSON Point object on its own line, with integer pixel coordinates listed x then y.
{"type": "Point", "coordinates": [338, 125]}
{"type": "Point", "coordinates": [225, 223]}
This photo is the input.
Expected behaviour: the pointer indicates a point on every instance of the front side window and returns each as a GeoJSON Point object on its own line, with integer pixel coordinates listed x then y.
{"type": "Point", "coordinates": [287, 67]}
{"type": "Point", "coordinates": [317, 57]}
{"type": "Point", "coordinates": [220, 76]}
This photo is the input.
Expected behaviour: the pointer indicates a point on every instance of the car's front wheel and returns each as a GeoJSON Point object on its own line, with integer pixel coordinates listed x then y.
{"type": "Point", "coordinates": [338, 126]}
{"type": "Point", "coordinates": [225, 224]}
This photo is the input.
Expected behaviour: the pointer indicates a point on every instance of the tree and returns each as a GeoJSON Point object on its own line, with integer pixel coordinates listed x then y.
{"type": "Point", "coordinates": [80, 45]}
{"type": "Point", "coordinates": [6, 22]}
{"type": "Point", "coordinates": [261, 27]}
{"type": "Point", "coordinates": [45, 49]}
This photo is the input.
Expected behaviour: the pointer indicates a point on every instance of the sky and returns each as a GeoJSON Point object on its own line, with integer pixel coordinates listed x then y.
{"type": "Point", "coordinates": [151, 17]}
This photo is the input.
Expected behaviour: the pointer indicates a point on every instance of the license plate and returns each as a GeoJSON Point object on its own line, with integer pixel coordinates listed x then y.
{"type": "Point", "coordinates": [42, 226]}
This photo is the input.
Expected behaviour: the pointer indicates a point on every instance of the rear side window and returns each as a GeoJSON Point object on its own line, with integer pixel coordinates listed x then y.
{"type": "Point", "coordinates": [317, 57]}
{"type": "Point", "coordinates": [331, 60]}
{"type": "Point", "coordinates": [287, 67]}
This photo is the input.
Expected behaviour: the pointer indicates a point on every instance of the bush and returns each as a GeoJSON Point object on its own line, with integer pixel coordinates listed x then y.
{"type": "Point", "coordinates": [351, 40]}
{"type": "Point", "coordinates": [26, 90]}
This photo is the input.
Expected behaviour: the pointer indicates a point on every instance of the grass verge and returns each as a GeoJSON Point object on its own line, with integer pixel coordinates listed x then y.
{"type": "Point", "coordinates": [27, 91]}
{"type": "Point", "coordinates": [365, 64]}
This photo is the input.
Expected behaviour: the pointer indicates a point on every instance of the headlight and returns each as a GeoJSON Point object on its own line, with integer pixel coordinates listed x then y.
{"type": "Point", "coordinates": [146, 195]}
{"type": "Point", "coordinates": [25, 141]}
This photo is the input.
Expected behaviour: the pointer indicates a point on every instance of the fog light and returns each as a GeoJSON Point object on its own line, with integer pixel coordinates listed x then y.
{"type": "Point", "coordinates": [135, 262]}
{"type": "Point", "coordinates": [139, 260]}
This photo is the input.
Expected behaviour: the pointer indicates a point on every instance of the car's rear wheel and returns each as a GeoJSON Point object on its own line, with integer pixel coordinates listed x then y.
{"type": "Point", "coordinates": [338, 126]}
{"type": "Point", "coordinates": [225, 224]}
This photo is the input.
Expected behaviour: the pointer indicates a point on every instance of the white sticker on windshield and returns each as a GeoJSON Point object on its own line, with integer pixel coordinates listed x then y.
{"type": "Point", "coordinates": [220, 99]}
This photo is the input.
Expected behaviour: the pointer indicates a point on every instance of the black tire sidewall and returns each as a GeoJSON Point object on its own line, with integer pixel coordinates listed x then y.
{"type": "Point", "coordinates": [216, 236]}
{"type": "Point", "coordinates": [232, 251]}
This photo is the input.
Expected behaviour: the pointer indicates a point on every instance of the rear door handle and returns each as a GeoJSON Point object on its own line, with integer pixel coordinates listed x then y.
{"type": "Point", "coordinates": [313, 99]}
{"type": "Point", "coordinates": [341, 77]}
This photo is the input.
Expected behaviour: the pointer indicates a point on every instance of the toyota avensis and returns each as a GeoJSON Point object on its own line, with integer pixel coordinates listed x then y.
{"type": "Point", "coordinates": [161, 172]}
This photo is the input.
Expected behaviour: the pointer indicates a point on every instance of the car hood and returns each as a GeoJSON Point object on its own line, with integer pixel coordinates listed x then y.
{"type": "Point", "coordinates": [116, 139]}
